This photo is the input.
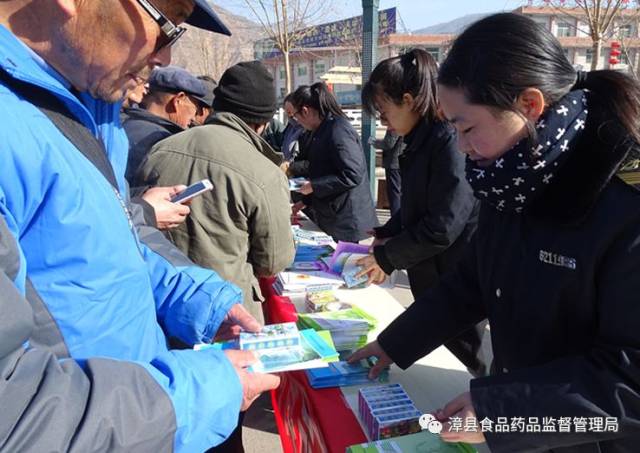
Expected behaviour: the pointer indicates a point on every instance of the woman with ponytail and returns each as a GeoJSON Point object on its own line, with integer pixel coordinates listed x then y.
{"type": "Point", "coordinates": [438, 212]}
{"type": "Point", "coordinates": [555, 261]}
{"type": "Point", "coordinates": [338, 188]}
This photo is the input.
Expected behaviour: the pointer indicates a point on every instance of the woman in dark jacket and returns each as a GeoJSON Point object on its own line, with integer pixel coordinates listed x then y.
{"type": "Point", "coordinates": [555, 261]}
{"type": "Point", "coordinates": [438, 212]}
{"type": "Point", "coordinates": [338, 186]}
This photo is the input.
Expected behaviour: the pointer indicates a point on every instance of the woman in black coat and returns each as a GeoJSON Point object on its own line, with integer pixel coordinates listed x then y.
{"type": "Point", "coordinates": [555, 261]}
{"type": "Point", "coordinates": [438, 212]}
{"type": "Point", "coordinates": [338, 187]}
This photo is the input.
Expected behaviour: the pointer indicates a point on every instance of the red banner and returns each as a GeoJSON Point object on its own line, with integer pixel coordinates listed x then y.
{"type": "Point", "coordinates": [308, 419]}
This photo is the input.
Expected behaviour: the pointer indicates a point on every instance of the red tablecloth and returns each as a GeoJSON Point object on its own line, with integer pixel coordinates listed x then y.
{"type": "Point", "coordinates": [308, 420]}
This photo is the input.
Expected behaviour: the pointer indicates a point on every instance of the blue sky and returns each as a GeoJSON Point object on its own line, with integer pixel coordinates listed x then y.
{"type": "Point", "coordinates": [423, 13]}
{"type": "Point", "coordinates": [414, 13]}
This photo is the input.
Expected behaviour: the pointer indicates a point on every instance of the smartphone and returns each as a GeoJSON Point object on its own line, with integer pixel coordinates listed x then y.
{"type": "Point", "coordinates": [192, 191]}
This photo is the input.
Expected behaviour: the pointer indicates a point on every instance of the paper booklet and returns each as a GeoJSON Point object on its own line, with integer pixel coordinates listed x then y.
{"type": "Point", "coordinates": [281, 347]}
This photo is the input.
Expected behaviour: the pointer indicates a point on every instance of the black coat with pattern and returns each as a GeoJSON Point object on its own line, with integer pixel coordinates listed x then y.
{"type": "Point", "coordinates": [560, 285]}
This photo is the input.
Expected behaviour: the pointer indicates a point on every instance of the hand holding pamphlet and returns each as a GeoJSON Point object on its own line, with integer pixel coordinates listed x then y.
{"type": "Point", "coordinates": [295, 184]}
{"type": "Point", "coordinates": [281, 347]}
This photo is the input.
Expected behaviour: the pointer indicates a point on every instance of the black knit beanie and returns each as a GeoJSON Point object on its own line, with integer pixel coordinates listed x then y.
{"type": "Point", "coordinates": [247, 91]}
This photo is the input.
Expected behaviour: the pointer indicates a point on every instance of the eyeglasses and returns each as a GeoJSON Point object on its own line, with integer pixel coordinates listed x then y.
{"type": "Point", "coordinates": [171, 31]}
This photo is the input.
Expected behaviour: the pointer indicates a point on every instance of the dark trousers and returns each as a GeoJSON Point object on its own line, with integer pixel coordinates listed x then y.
{"type": "Point", "coordinates": [394, 188]}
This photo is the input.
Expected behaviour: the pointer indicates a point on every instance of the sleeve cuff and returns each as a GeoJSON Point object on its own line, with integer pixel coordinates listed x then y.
{"type": "Point", "coordinates": [382, 232]}
{"type": "Point", "coordinates": [147, 210]}
{"type": "Point", "coordinates": [382, 259]}
{"type": "Point", "coordinates": [392, 342]}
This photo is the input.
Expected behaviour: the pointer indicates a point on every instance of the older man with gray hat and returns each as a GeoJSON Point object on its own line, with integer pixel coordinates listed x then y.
{"type": "Point", "coordinates": [85, 364]}
{"type": "Point", "coordinates": [170, 106]}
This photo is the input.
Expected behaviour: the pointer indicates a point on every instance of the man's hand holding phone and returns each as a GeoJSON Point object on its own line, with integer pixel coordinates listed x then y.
{"type": "Point", "coordinates": [168, 214]}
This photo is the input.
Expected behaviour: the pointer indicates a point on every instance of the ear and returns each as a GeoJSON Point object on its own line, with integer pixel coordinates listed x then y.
{"type": "Point", "coordinates": [531, 104]}
{"type": "Point", "coordinates": [258, 128]}
{"type": "Point", "coordinates": [174, 102]}
{"type": "Point", "coordinates": [181, 96]}
{"type": "Point", "coordinates": [408, 99]}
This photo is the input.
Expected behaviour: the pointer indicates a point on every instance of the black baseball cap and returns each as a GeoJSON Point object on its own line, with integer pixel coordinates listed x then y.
{"type": "Point", "coordinates": [205, 17]}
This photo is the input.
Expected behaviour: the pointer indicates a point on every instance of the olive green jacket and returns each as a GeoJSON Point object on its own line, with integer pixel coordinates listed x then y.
{"type": "Point", "coordinates": [241, 229]}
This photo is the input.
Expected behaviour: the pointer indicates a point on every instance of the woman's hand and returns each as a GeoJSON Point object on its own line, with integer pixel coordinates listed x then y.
{"type": "Point", "coordinates": [460, 407]}
{"type": "Point", "coordinates": [373, 349]}
{"type": "Point", "coordinates": [370, 266]}
{"type": "Point", "coordinates": [306, 189]}
{"type": "Point", "coordinates": [296, 208]}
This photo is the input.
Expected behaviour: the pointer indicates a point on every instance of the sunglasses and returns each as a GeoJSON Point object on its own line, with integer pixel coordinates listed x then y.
{"type": "Point", "coordinates": [170, 31]}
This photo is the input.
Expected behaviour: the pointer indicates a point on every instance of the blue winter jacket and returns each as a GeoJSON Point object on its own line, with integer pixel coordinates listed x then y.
{"type": "Point", "coordinates": [109, 294]}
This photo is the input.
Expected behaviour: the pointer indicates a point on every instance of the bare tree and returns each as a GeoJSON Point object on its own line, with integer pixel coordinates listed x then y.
{"type": "Point", "coordinates": [203, 52]}
{"type": "Point", "coordinates": [286, 22]}
{"type": "Point", "coordinates": [601, 17]}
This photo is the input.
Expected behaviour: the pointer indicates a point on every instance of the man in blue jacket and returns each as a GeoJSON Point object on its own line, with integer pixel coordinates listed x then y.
{"type": "Point", "coordinates": [97, 287]}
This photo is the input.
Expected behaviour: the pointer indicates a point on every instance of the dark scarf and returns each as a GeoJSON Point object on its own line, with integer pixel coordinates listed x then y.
{"type": "Point", "coordinates": [519, 176]}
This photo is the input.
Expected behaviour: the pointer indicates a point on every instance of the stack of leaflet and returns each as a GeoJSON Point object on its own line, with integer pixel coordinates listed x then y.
{"type": "Point", "coordinates": [349, 328]}
{"type": "Point", "coordinates": [281, 347]}
{"type": "Point", "coordinates": [341, 373]}
{"type": "Point", "coordinates": [301, 236]}
{"type": "Point", "coordinates": [309, 257]}
{"type": "Point", "coordinates": [298, 282]}
{"type": "Point", "coordinates": [387, 411]}
{"type": "Point", "coordinates": [419, 442]}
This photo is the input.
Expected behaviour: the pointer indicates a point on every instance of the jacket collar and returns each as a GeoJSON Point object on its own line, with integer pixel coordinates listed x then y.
{"type": "Point", "coordinates": [137, 113]}
{"type": "Point", "coordinates": [416, 139]}
{"type": "Point", "coordinates": [231, 121]}
{"type": "Point", "coordinates": [100, 117]}
{"type": "Point", "coordinates": [20, 62]}
{"type": "Point", "coordinates": [599, 153]}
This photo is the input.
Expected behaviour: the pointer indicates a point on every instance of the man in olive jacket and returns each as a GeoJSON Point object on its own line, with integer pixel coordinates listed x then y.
{"type": "Point", "coordinates": [241, 229]}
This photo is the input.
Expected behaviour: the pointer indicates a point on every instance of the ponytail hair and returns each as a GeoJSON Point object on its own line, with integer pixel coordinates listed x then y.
{"type": "Point", "coordinates": [618, 93]}
{"type": "Point", "coordinates": [414, 72]}
{"type": "Point", "coordinates": [496, 58]}
{"type": "Point", "coordinates": [317, 97]}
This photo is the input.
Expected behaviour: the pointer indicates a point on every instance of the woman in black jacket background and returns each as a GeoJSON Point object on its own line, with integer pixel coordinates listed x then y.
{"type": "Point", "coordinates": [438, 212]}
{"type": "Point", "coordinates": [338, 187]}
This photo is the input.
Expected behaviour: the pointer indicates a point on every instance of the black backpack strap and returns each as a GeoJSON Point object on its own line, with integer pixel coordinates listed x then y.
{"type": "Point", "coordinates": [77, 133]}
